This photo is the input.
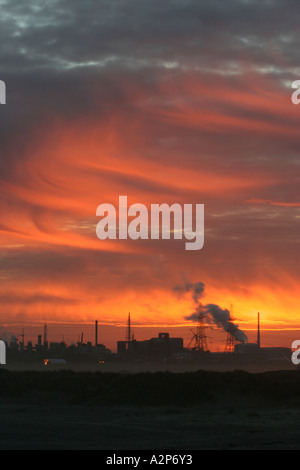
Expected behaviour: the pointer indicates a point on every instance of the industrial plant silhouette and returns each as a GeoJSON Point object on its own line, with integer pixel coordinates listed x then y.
{"type": "Point", "coordinates": [160, 349]}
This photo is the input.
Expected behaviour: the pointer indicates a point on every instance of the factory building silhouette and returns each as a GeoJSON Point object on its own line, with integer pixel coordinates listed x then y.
{"type": "Point", "coordinates": [162, 346]}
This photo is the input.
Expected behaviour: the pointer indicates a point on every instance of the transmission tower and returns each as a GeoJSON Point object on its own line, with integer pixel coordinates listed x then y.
{"type": "Point", "coordinates": [231, 341]}
{"type": "Point", "coordinates": [198, 341]}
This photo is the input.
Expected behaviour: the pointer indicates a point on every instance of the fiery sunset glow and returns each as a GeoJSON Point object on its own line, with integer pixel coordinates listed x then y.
{"type": "Point", "coordinates": [128, 100]}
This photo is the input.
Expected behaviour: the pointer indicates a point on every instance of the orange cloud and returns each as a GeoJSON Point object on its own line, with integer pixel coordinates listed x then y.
{"type": "Point", "coordinates": [174, 148]}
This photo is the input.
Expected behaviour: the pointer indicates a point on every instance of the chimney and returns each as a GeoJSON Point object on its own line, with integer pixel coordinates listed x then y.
{"type": "Point", "coordinates": [96, 333]}
{"type": "Point", "coordinates": [258, 331]}
{"type": "Point", "coordinates": [129, 333]}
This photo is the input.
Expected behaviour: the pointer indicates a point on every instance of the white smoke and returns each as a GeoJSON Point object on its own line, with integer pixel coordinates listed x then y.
{"type": "Point", "coordinates": [213, 313]}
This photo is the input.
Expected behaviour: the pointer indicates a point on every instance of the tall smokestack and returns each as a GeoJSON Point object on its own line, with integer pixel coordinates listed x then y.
{"type": "Point", "coordinates": [45, 333]}
{"type": "Point", "coordinates": [258, 331]}
{"type": "Point", "coordinates": [45, 337]}
{"type": "Point", "coordinates": [96, 333]}
{"type": "Point", "coordinates": [128, 329]}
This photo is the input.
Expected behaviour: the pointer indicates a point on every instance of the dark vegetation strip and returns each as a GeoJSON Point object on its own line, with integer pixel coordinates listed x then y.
{"type": "Point", "coordinates": [149, 388]}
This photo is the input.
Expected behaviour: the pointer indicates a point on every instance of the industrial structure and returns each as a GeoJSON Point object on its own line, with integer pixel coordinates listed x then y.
{"type": "Point", "coordinates": [156, 349]}
{"type": "Point", "coordinates": [198, 342]}
{"type": "Point", "coordinates": [231, 340]}
{"type": "Point", "coordinates": [162, 346]}
{"type": "Point", "coordinates": [248, 352]}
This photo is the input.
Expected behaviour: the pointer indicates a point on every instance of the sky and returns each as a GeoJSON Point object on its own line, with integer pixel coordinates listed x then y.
{"type": "Point", "coordinates": [166, 102]}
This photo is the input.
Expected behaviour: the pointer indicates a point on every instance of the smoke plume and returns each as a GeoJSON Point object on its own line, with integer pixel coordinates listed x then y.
{"type": "Point", "coordinates": [213, 313]}
{"type": "Point", "coordinates": [197, 290]}
{"type": "Point", "coordinates": [222, 318]}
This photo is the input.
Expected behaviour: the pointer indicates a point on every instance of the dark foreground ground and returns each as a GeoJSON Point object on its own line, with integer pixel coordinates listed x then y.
{"type": "Point", "coordinates": [203, 410]}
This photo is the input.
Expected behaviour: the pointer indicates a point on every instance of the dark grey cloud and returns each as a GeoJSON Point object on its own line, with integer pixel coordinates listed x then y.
{"type": "Point", "coordinates": [91, 60]}
{"type": "Point", "coordinates": [65, 34]}
{"type": "Point", "coordinates": [55, 56]}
